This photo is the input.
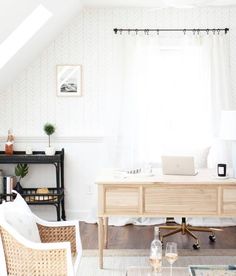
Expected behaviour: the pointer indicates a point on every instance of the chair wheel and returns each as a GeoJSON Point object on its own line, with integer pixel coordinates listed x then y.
{"type": "Point", "coordinates": [212, 238]}
{"type": "Point", "coordinates": [196, 246]}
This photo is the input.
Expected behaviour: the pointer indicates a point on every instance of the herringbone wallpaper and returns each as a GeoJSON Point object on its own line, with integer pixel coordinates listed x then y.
{"type": "Point", "coordinates": [88, 40]}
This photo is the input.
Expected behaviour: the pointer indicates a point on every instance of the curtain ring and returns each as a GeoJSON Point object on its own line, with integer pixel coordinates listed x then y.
{"type": "Point", "coordinates": [128, 31]}
{"type": "Point", "coordinates": [194, 31]}
{"type": "Point", "coordinates": [214, 31]}
{"type": "Point", "coordinates": [207, 31]}
{"type": "Point", "coordinates": [184, 30]}
{"type": "Point", "coordinates": [120, 30]}
{"type": "Point", "coordinates": [158, 32]}
{"type": "Point", "coordinates": [198, 31]}
{"type": "Point", "coordinates": [136, 31]}
{"type": "Point", "coordinates": [218, 31]}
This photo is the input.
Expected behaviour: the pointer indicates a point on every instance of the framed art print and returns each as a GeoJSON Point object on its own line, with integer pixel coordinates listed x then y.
{"type": "Point", "coordinates": [69, 79]}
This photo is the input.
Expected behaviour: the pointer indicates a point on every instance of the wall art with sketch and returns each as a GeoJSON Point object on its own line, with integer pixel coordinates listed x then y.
{"type": "Point", "coordinates": [69, 78]}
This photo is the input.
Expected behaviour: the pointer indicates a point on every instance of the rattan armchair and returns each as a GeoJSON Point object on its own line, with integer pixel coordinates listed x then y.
{"type": "Point", "coordinates": [58, 254]}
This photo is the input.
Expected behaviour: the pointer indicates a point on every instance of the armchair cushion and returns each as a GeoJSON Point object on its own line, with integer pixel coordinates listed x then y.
{"type": "Point", "coordinates": [18, 214]}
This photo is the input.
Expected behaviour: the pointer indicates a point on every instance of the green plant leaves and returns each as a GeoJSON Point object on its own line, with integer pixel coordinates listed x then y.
{"type": "Point", "coordinates": [21, 170]}
{"type": "Point", "coordinates": [49, 128]}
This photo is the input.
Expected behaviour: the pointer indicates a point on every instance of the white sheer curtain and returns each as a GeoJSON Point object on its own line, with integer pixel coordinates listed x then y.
{"type": "Point", "coordinates": [170, 91]}
{"type": "Point", "coordinates": [167, 95]}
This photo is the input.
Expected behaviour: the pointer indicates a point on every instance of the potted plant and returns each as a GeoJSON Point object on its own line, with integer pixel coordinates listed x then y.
{"type": "Point", "coordinates": [49, 129]}
{"type": "Point", "coordinates": [21, 170]}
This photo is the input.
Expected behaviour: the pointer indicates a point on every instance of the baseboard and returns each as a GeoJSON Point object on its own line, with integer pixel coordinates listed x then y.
{"type": "Point", "coordinates": [50, 214]}
{"type": "Point", "coordinates": [79, 215]}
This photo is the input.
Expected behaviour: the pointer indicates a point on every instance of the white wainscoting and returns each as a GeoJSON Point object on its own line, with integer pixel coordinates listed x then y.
{"type": "Point", "coordinates": [65, 139]}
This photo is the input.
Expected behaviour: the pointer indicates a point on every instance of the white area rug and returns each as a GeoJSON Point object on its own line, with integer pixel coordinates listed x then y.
{"type": "Point", "coordinates": [117, 261]}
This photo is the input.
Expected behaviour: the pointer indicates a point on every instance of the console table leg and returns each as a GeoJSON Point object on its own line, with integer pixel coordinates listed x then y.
{"type": "Point", "coordinates": [63, 215]}
{"type": "Point", "coordinates": [100, 241]}
{"type": "Point", "coordinates": [105, 232]}
{"type": "Point", "coordinates": [58, 212]}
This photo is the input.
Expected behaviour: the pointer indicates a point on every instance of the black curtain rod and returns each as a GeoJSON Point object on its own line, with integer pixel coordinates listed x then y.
{"type": "Point", "coordinates": [146, 31]}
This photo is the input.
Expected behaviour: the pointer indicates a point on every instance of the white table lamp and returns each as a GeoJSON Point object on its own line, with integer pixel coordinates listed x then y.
{"type": "Point", "coordinates": [228, 132]}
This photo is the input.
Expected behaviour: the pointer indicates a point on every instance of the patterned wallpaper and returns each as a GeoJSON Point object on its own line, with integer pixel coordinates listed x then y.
{"type": "Point", "coordinates": [31, 99]}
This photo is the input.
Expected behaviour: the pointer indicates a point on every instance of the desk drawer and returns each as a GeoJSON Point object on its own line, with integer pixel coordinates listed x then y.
{"type": "Point", "coordinates": [121, 200]}
{"type": "Point", "coordinates": [228, 201]}
{"type": "Point", "coordinates": [180, 200]}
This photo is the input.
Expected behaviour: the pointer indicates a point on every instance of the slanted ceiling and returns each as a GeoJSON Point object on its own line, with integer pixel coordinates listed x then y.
{"type": "Point", "coordinates": [13, 12]}
{"type": "Point", "coordinates": [159, 3]}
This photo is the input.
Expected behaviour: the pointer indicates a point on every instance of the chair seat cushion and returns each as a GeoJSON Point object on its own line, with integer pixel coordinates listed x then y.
{"type": "Point", "coordinates": [18, 214]}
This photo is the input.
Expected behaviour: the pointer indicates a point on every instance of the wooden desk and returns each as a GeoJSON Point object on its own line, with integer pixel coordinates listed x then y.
{"type": "Point", "coordinates": [163, 196]}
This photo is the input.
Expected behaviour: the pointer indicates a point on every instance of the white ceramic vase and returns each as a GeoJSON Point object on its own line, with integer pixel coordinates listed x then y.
{"type": "Point", "coordinates": [49, 151]}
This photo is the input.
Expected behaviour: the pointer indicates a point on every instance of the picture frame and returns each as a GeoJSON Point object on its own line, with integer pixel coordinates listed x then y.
{"type": "Point", "coordinates": [69, 80]}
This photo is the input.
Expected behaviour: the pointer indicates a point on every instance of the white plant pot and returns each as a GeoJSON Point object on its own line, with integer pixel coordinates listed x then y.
{"type": "Point", "coordinates": [49, 151]}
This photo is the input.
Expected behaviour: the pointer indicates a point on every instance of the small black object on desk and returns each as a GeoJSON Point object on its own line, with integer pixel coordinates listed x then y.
{"type": "Point", "coordinates": [221, 170]}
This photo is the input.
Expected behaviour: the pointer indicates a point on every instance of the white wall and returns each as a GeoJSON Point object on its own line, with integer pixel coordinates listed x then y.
{"type": "Point", "coordinates": [31, 100]}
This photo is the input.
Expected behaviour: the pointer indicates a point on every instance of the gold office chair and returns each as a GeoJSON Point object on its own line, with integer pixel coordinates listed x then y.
{"type": "Point", "coordinates": [187, 229]}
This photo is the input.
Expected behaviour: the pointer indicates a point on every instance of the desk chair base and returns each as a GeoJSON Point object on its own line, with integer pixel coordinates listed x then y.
{"type": "Point", "coordinates": [187, 229]}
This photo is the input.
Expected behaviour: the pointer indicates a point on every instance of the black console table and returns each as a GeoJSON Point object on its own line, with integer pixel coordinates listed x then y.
{"type": "Point", "coordinates": [55, 195]}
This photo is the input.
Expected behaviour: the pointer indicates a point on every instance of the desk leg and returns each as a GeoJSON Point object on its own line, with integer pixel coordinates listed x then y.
{"type": "Point", "coordinates": [100, 241]}
{"type": "Point", "coordinates": [105, 232]}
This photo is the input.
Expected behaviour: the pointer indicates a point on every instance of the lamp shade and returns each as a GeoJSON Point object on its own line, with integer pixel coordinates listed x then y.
{"type": "Point", "coordinates": [228, 125]}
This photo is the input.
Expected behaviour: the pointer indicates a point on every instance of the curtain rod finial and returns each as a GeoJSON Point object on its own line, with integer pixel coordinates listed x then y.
{"type": "Point", "coordinates": [115, 30]}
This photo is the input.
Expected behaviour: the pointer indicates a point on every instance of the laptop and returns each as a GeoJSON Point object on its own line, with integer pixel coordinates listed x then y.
{"type": "Point", "coordinates": [178, 165]}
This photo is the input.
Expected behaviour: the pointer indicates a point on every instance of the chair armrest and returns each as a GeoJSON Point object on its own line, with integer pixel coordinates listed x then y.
{"type": "Point", "coordinates": [24, 257]}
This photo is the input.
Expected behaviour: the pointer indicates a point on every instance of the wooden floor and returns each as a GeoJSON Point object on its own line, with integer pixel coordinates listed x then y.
{"type": "Point", "coordinates": [140, 237]}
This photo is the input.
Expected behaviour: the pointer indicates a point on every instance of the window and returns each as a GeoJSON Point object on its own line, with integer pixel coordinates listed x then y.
{"type": "Point", "coordinates": [176, 104]}
{"type": "Point", "coordinates": [23, 33]}
{"type": "Point", "coordinates": [166, 105]}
